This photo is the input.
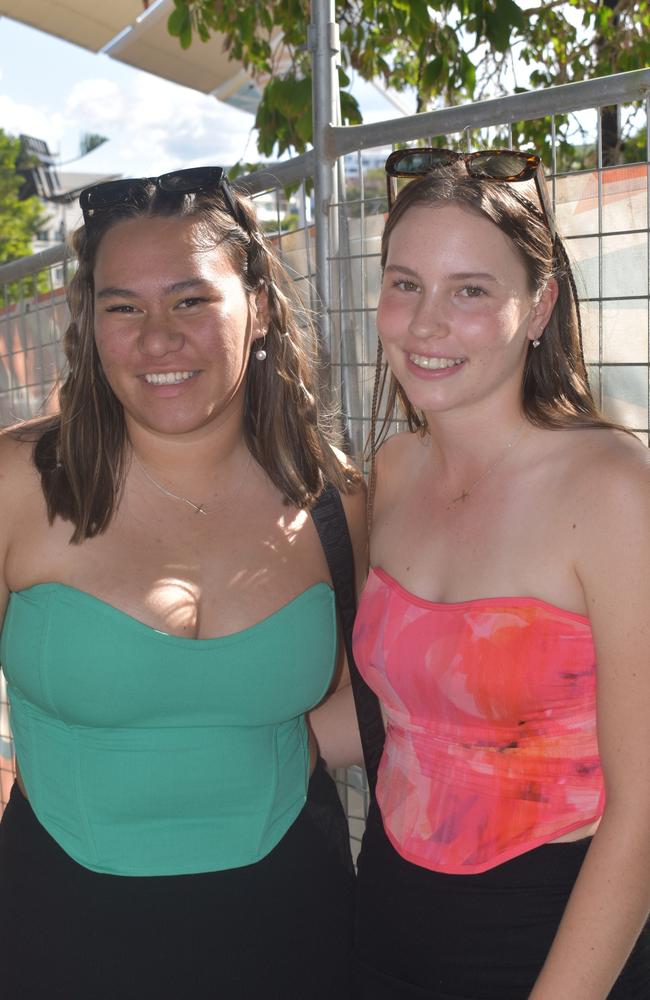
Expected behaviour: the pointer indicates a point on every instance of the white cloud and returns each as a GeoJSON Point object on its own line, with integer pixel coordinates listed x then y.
{"type": "Point", "coordinates": [18, 118]}
{"type": "Point", "coordinates": [154, 125]}
{"type": "Point", "coordinates": [97, 100]}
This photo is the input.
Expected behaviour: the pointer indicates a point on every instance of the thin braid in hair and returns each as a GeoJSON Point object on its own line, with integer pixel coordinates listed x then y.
{"type": "Point", "coordinates": [560, 249]}
{"type": "Point", "coordinates": [377, 393]}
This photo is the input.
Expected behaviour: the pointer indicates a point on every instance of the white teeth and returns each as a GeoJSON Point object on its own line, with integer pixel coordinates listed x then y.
{"type": "Point", "coordinates": [167, 378]}
{"type": "Point", "coordinates": [423, 362]}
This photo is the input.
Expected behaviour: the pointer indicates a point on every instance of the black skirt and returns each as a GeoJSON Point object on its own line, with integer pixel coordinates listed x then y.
{"type": "Point", "coordinates": [423, 934]}
{"type": "Point", "coordinates": [279, 929]}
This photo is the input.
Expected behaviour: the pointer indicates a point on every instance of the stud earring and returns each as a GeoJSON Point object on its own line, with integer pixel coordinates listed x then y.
{"type": "Point", "coordinates": [536, 342]}
{"type": "Point", "coordinates": [260, 353]}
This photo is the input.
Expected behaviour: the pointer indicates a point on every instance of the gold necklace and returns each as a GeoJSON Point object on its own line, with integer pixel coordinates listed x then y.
{"type": "Point", "coordinates": [502, 454]}
{"type": "Point", "coordinates": [198, 508]}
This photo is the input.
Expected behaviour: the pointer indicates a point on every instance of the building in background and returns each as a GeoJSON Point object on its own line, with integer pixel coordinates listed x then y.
{"type": "Point", "coordinates": [57, 189]}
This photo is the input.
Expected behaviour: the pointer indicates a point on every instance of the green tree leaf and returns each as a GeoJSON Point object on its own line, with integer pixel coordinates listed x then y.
{"type": "Point", "coordinates": [448, 52]}
{"type": "Point", "coordinates": [20, 218]}
{"type": "Point", "coordinates": [177, 20]}
{"type": "Point", "coordinates": [432, 73]}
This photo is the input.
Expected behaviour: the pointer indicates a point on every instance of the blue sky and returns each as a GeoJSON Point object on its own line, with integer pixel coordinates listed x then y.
{"type": "Point", "coordinates": [56, 91]}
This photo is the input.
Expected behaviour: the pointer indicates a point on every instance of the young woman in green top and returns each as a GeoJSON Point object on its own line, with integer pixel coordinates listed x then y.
{"type": "Point", "coordinates": [169, 622]}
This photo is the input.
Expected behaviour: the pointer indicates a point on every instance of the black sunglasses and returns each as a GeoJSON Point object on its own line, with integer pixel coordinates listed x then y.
{"type": "Point", "coordinates": [507, 165]}
{"type": "Point", "coordinates": [136, 190]}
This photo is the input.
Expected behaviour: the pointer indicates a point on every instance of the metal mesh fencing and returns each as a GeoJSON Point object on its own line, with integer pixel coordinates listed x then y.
{"type": "Point", "coordinates": [602, 210]}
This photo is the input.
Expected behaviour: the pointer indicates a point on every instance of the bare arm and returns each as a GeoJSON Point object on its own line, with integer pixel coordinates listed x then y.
{"type": "Point", "coordinates": [334, 722]}
{"type": "Point", "coordinates": [8, 490]}
{"type": "Point", "coordinates": [611, 898]}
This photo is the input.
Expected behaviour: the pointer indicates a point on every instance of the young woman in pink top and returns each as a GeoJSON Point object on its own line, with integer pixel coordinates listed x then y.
{"type": "Point", "coordinates": [505, 624]}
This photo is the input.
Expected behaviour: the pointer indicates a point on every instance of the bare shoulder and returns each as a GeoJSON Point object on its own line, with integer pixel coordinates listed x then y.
{"type": "Point", "coordinates": [606, 476]}
{"type": "Point", "coordinates": [609, 472]}
{"type": "Point", "coordinates": [610, 445]}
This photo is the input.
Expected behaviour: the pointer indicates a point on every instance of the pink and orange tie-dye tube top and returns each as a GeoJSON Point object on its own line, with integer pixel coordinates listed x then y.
{"type": "Point", "coordinates": [491, 723]}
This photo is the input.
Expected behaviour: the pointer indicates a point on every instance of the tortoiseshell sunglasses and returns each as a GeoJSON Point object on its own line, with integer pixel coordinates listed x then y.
{"type": "Point", "coordinates": [507, 165]}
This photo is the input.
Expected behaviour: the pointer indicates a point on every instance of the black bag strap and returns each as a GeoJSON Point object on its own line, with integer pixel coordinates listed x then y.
{"type": "Point", "coordinates": [332, 527]}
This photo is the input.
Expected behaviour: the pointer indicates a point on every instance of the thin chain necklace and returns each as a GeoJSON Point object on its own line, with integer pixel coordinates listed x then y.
{"type": "Point", "coordinates": [198, 508]}
{"type": "Point", "coordinates": [508, 447]}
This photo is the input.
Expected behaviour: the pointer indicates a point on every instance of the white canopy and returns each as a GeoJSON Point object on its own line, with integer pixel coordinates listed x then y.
{"type": "Point", "coordinates": [126, 31]}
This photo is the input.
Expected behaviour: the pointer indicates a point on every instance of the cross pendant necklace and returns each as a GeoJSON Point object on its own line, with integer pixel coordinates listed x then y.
{"type": "Point", "coordinates": [198, 508]}
{"type": "Point", "coordinates": [500, 457]}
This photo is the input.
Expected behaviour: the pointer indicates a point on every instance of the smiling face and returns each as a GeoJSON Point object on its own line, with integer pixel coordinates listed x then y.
{"type": "Point", "coordinates": [174, 325]}
{"type": "Point", "coordinates": [456, 312]}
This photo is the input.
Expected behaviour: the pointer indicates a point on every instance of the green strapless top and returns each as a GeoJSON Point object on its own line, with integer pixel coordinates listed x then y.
{"type": "Point", "coordinates": [144, 753]}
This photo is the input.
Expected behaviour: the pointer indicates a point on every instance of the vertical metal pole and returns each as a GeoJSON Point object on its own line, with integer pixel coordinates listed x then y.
{"type": "Point", "coordinates": [647, 204]}
{"type": "Point", "coordinates": [324, 46]}
{"type": "Point", "coordinates": [599, 177]}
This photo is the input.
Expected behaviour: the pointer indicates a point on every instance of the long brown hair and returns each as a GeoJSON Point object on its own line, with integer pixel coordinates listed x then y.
{"type": "Point", "coordinates": [81, 453]}
{"type": "Point", "coordinates": [555, 390]}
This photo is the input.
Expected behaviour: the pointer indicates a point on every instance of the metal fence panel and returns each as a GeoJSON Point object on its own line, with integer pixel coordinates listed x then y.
{"type": "Point", "coordinates": [603, 212]}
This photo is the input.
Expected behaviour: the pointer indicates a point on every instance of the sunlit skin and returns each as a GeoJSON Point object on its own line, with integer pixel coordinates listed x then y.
{"type": "Point", "coordinates": [464, 297]}
{"type": "Point", "coordinates": [163, 304]}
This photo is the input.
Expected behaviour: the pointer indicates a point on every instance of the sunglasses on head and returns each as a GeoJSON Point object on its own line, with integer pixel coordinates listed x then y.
{"type": "Point", "coordinates": [506, 165]}
{"type": "Point", "coordinates": [135, 191]}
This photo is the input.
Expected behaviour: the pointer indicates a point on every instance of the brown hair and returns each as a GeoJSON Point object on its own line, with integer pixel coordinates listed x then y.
{"type": "Point", "coordinates": [81, 452]}
{"type": "Point", "coordinates": [555, 388]}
